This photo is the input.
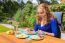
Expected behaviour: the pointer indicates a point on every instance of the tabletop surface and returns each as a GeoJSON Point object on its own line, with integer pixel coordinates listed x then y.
{"type": "Point", "coordinates": [5, 38]}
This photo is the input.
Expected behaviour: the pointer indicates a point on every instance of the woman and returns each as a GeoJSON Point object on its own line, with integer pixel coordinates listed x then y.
{"type": "Point", "coordinates": [46, 22]}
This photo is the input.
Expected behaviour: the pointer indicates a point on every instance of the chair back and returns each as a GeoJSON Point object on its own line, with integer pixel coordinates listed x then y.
{"type": "Point", "coordinates": [58, 15]}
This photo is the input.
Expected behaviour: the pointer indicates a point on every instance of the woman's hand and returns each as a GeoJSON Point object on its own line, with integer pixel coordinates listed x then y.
{"type": "Point", "coordinates": [47, 33]}
{"type": "Point", "coordinates": [40, 32]}
{"type": "Point", "coordinates": [27, 29]}
{"type": "Point", "coordinates": [43, 32]}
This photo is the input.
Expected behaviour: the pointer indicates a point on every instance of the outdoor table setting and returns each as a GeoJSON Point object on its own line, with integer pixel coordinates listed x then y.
{"type": "Point", "coordinates": [27, 36]}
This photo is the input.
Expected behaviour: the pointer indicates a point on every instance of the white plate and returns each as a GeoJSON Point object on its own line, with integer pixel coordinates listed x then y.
{"type": "Point", "coordinates": [22, 36]}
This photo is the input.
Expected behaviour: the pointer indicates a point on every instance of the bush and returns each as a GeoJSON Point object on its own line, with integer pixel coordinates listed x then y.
{"type": "Point", "coordinates": [17, 16]}
{"type": "Point", "coordinates": [26, 16]}
{"type": "Point", "coordinates": [58, 7]}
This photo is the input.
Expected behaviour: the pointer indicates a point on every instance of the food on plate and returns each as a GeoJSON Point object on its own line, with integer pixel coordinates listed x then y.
{"type": "Point", "coordinates": [40, 32]}
{"type": "Point", "coordinates": [35, 37]}
{"type": "Point", "coordinates": [22, 36]}
{"type": "Point", "coordinates": [30, 32]}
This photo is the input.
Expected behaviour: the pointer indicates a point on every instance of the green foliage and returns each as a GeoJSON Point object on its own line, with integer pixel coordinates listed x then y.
{"type": "Point", "coordinates": [31, 19]}
{"type": "Point", "coordinates": [17, 16]}
{"type": "Point", "coordinates": [26, 16]}
{"type": "Point", "coordinates": [43, 1]}
{"type": "Point", "coordinates": [22, 5]}
{"type": "Point", "coordinates": [64, 19]}
{"type": "Point", "coordinates": [8, 9]}
{"type": "Point", "coordinates": [54, 2]}
{"type": "Point", "coordinates": [58, 7]}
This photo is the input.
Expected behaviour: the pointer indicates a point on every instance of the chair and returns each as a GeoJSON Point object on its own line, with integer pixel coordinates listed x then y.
{"type": "Point", "coordinates": [59, 16]}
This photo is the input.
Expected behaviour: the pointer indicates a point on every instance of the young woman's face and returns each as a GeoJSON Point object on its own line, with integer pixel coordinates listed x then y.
{"type": "Point", "coordinates": [41, 11]}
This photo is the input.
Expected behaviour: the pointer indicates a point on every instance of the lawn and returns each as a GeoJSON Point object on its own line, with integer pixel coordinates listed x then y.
{"type": "Point", "coordinates": [3, 29]}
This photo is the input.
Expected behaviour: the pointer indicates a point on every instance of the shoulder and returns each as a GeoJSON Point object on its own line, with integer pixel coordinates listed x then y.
{"type": "Point", "coordinates": [53, 20]}
{"type": "Point", "coordinates": [52, 17]}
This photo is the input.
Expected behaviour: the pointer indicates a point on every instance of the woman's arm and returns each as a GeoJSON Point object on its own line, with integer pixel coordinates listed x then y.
{"type": "Point", "coordinates": [55, 28]}
{"type": "Point", "coordinates": [36, 27]}
{"type": "Point", "coordinates": [47, 33]}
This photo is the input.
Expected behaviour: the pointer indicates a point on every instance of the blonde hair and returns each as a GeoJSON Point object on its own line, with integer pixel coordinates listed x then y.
{"type": "Point", "coordinates": [49, 15]}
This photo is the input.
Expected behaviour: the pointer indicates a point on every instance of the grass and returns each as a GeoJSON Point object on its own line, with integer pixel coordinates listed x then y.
{"type": "Point", "coordinates": [3, 28]}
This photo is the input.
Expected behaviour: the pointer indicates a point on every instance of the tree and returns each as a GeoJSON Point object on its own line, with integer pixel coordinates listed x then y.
{"type": "Point", "coordinates": [22, 4]}
{"type": "Point", "coordinates": [2, 16]}
{"type": "Point", "coordinates": [26, 15]}
{"type": "Point", "coordinates": [10, 8]}
{"type": "Point", "coordinates": [43, 1]}
{"type": "Point", "coordinates": [26, 11]}
{"type": "Point", "coordinates": [54, 2]}
{"type": "Point", "coordinates": [17, 16]}
{"type": "Point", "coordinates": [7, 9]}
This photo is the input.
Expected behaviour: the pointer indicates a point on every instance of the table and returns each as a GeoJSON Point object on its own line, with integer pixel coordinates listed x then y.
{"type": "Point", "coordinates": [5, 38]}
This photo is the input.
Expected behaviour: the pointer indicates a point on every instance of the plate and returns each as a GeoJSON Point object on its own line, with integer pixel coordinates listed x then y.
{"type": "Point", "coordinates": [22, 36]}
{"type": "Point", "coordinates": [36, 37]}
{"type": "Point", "coordinates": [32, 33]}
{"type": "Point", "coordinates": [43, 34]}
